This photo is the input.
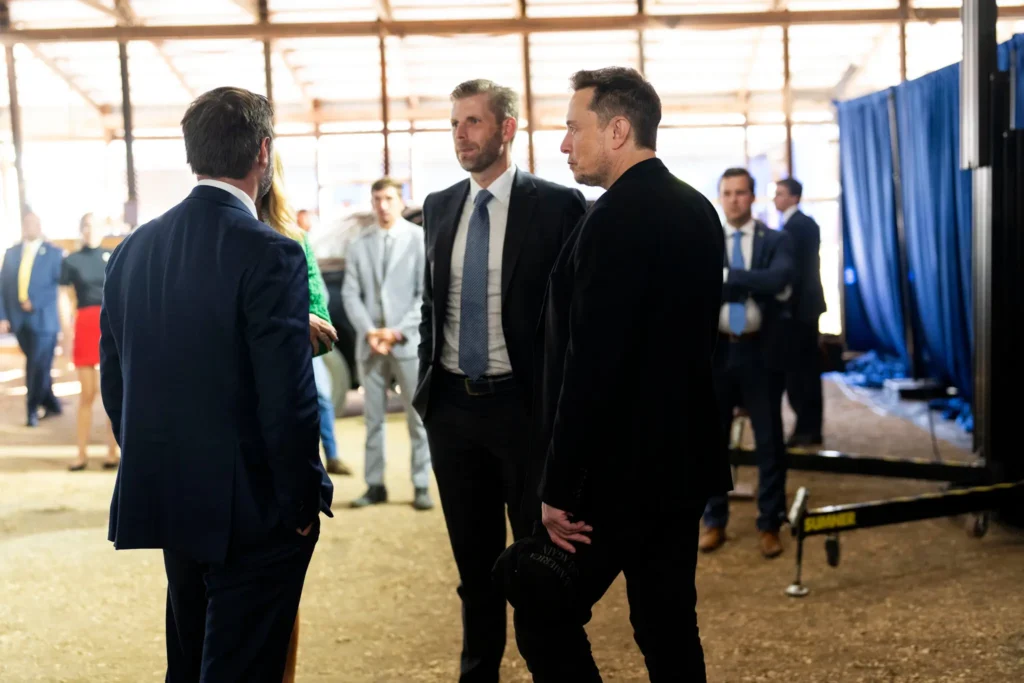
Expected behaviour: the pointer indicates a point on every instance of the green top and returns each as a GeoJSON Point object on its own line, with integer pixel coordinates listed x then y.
{"type": "Point", "coordinates": [317, 291]}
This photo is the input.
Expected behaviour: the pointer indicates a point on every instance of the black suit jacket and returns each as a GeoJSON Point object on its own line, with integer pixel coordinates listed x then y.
{"type": "Point", "coordinates": [206, 374]}
{"type": "Point", "coordinates": [771, 271]}
{"type": "Point", "coordinates": [626, 427]}
{"type": "Point", "coordinates": [541, 216]}
{"type": "Point", "coordinates": [808, 301]}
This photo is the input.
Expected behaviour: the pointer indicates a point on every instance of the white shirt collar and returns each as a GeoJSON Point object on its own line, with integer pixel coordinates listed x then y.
{"type": "Point", "coordinates": [788, 213]}
{"type": "Point", "coordinates": [501, 188]}
{"type": "Point", "coordinates": [32, 245]}
{"type": "Point", "coordinates": [747, 228]}
{"type": "Point", "coordinates": [242, 197]}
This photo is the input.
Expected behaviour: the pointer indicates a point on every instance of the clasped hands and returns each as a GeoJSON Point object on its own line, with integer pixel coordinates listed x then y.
{"type": "Point", "coordinates": [382, 340]}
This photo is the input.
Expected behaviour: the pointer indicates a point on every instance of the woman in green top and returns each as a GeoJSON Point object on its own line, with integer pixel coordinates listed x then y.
{"type": "Point", "coordinates": [277, 213]}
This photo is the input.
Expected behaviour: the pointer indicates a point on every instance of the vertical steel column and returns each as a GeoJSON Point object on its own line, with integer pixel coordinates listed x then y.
{"type": "Point", "coordinates": [787, 99]}
{"type": "Point", "coordinates": [904, 15]}
{"type": "Point", "coordinates": [385, 105]}
{"type": "Point", "coordinates": [131, 207]}
{"type": "Point", "coordinates": [12, 87]}
{"type": "Point", "coordinates": [531, 124]}
{"type": "Point", "coordinates": [268, 69]}
{"type": "Point", "coordinates": [979, 39]}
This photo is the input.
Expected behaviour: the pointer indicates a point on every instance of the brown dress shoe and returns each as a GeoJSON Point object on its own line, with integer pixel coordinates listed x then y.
{"type": "Point", "coordinates": [771, 546]}
{"type": "Point", "coordinates": [711, 538]}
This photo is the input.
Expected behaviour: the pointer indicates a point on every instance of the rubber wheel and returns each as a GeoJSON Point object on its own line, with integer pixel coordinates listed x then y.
{"type": "Point", "coordinates": [979, 525]}
{"type": "Point", "coordinates": [832, 550]}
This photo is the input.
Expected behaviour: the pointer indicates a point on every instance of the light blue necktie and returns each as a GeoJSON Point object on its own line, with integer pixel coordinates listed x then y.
{"type": "Point", "coordinates": [737, 311]}
{"type": "Point", "coordinates": [473, 311]}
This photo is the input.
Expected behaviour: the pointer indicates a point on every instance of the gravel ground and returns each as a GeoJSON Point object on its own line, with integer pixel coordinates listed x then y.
{"type": "Point", "coordinates": [914, 602]}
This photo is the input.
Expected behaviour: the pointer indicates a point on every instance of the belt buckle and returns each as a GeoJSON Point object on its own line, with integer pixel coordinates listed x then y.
{"type": "Point", "coordinates": [469, 388]}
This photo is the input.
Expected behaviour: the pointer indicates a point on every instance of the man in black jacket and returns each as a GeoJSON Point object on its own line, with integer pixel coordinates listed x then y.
{"type": "Point", "coordinates": [752, 353]}
{"type": "Point", "coordinates": [490, 242]}
{"type": "Point", "coordinates": [803, 380]}
{"type": "Point", "coordinates": [629, 447]}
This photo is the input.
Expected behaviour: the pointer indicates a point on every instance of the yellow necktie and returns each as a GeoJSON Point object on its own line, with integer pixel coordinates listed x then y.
{"type": "Point", "coordinates": [25, 272]}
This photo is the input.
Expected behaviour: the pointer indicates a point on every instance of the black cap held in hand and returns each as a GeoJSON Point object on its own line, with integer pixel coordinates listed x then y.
{"type": "Point", "coordinates": [534, 573]}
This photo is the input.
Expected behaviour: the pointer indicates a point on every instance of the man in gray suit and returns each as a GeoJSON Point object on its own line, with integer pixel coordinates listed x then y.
{"type": "Point", "coordinates": [382, 293]}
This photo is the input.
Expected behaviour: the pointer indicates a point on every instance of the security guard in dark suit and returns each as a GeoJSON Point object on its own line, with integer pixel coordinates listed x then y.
{"type": "Point", "coordinates": [803, 380]}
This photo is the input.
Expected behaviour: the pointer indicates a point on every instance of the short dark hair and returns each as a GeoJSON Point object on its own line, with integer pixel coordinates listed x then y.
{"type": "Point", "coordinates": [619, 91]}
{"type": "Point", "coordinates": [386, 182]}
{"type": "Point", "coordinates": [793, 187]}
{"type": "Point", "coordinates": [736, 173]}
{"type": "Point", "coordinates": [504, 101]}
{"type": "Point", "coordinates": [224, 129]}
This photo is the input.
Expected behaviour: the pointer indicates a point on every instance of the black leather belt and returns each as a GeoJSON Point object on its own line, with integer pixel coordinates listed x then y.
{"type": "Point", "coordinates": [485, 386]}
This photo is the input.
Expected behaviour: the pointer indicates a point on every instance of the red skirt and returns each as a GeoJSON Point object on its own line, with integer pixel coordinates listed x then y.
{"type": "Point", "coordinates": [87, 337]}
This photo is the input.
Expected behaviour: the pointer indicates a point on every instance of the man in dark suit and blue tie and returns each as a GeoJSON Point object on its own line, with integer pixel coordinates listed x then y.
{"type": "Point", "coordinates": [803, 381]}
{"type": "Point", "coordinates": [207, 377]}
{"type": "Point", "coordinates": [29, 285]}
{"type": "Point", "coordinates": [751, 354]}
{"type": "Point", "coordinates": [490, 243]}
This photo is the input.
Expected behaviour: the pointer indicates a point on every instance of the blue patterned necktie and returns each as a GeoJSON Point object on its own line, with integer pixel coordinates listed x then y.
{"type": "Point", "coordinates": [473, 311]}
{"type": "Point", "coordinates": [737, 311]}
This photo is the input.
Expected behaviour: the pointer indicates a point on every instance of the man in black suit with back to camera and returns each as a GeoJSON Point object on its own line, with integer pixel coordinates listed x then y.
{"type": "Point", "coordinates": [803, 381]}
{"type": "Point", "coordinates": [629, 449]}
{"type": "Point", "coordinates": [207, 377]}
{"type": "Point", "coordinates": [490, 242]}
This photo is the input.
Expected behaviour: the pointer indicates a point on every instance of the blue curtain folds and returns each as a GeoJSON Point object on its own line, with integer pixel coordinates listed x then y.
{"type": "Point", "coordinates": [874, 311]}
{"type": "Point", "coordinates": [937, 224]}
{"type": "Point", "coordinates": [936, 197]}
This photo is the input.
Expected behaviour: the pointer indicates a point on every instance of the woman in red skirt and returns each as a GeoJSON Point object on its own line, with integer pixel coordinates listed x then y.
{"type": "Point", "coordinates": [83, 272]}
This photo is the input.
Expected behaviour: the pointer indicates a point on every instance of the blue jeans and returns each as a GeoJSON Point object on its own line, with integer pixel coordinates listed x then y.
{"type": "Point", "coordinates": [322, 377]}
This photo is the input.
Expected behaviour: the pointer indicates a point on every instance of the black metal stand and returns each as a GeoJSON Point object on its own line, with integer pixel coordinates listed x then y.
{"type": "Point", "coordinates": [832, 519]}
{"type": "Point", "coordinates": [875, 466]}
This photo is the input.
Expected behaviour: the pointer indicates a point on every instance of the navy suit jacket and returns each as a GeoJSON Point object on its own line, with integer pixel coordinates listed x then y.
{"type": "Point", "coordinates": [771, 271]}
{"type": "Point", "coordinates": [42, 290]}
{"type": "Point", "coordinates": [206, 374]}
{"type": "Point", "coordinates": [808, 296]}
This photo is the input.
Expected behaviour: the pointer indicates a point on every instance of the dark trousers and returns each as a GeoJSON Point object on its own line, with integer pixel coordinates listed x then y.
{"type": "Point", "coordinates": [662, 607]}
{"type": "Point", "coordinates": [232, 622]}
{"type": "Point", "coordinates": [742, 380]}
{"type": "Point", "coordinates": [803, 382]}
{"type": "Point", "coordinates": [478, 451]}
{"type": "Point", "coordinates": [38, 349]}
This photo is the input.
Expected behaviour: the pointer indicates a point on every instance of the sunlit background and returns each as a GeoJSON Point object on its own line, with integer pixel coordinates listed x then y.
{"type": "Point", "coordinates": [723, 91]}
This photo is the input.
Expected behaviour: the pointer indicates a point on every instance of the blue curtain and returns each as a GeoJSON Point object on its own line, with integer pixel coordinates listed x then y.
{"type": "Point", "coordinates": [869, 227]}
{"type": "Point", "coordinates": [937, 223]}
{"type": "Point", "coordinates": [1014, 47]}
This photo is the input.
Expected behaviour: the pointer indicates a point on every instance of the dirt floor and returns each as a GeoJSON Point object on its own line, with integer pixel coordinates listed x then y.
{"type": "Point", "coordinates": [916, 602]}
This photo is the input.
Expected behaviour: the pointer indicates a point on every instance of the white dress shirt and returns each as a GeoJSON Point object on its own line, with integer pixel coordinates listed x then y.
{"type": "Point", "coordinates": [788, 213]}
{"type": "Point", "coordinates": [747, 247]}
{"type": "Point", "coordinates": [242, 197]}
{"type": "Point", "coordinates": [497, 208]}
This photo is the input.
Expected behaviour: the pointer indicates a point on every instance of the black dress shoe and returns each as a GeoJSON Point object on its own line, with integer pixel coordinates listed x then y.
{"type": "Point", "coordinates": [52, 412]}
{"type": "Point", "coordinates": [373, 496]}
